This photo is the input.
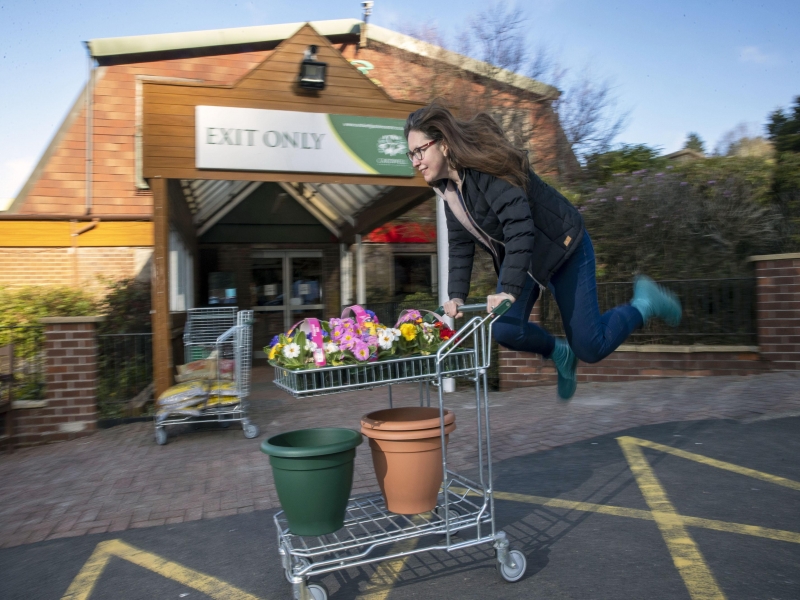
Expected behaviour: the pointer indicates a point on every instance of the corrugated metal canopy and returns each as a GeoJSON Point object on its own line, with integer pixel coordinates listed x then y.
{"type": "Point", "coordinates": [334, 205]}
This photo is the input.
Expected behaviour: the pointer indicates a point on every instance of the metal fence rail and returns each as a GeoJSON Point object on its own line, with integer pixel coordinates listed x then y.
{"type": "Point", "coordinates": [124, 370]}
{"type": "Point", "coordinates": [29, 360]}
{"type": "Point", "coordinates": [715, 311]}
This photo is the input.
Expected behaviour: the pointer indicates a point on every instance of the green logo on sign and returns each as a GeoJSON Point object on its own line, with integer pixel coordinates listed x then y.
{"type": "Point", "coordinates": [377, 144]}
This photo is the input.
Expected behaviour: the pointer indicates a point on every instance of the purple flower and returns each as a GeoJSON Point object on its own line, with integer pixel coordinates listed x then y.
{"type": "Point", "coordinates": [581, 209]}
{"type": "Point", "coordinates": [592, 200]}
{"type": "Point", "coordinates": [334, 323]}
{"type": "Point", "coordinates": [348, 324]}
{"type": "Point", "coordinates": [627, 187]}
{"type": "Point", "coordinates": [659, 174]}
{"type": "Point", "coordinates": [634, 198]}
{"type": "Point", "coordinates": [372, 316]}
{"type": "Point", "coordinates": [684, 183]}
{"type": "Point", "coordinates": [619, 198]}
{"type": "Point", "coordinates": [411, 315]}
{"type": "Point", "coordinates": [600, 190]}
{"type": "Point", "coordinates": [348, 342]}
{"type": "Point", "coordinates": [648, 224]}
{"type": "Point", "coordinates": [603, 200]}
{"type": "Point", "coordinates": [712, 182]}
{"type": "Point", "coordinates": [337, 333]}
{"type": "Point", "coordinates": [639, 172]}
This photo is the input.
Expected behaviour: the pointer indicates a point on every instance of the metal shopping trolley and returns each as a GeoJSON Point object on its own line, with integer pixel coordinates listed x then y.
{"type": "Point", "coordinates": [226, 335]}
{"type": "Point", "coordinates": [464, 506]}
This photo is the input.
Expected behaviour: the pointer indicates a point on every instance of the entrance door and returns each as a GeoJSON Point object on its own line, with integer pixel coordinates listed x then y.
{"type": "Point", "coordinates": [288, 289]}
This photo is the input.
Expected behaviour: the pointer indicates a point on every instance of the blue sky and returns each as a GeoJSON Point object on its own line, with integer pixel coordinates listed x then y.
{"type": "Point", "coordinates": [678, 66]}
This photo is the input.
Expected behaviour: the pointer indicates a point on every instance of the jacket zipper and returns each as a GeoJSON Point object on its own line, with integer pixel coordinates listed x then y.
{"type": "Point", "coordinates": [477, 228]}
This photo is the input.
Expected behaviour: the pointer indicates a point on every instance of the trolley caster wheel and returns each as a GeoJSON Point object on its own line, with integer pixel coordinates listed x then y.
{"type": "Point", "coordinates": [303, 564]}
{"type": "Point", "coordinates": [317, 591]}
{"type": "Point", "coordinates": [512, 574]}
{"type": "Point", "coordinates": [224, 423]}
{"type": "Point", "coordinates": [250, 430]}
{"type": "Point", "coordinates": [161, 436]}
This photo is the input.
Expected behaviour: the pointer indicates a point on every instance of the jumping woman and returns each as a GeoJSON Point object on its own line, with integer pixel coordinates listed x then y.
{"type": "Point", "coordinates": [535, 236]}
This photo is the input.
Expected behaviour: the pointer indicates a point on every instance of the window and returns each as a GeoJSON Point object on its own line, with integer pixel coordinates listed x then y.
{"type": "Point", "coordinates": [181, 275]}
{"type": "Point", "coordinates": [413, 274]}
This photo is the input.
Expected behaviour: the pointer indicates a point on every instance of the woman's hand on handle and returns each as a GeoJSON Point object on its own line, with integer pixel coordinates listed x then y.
{"type": "Point", "coordinates": [451, 308]}
{"type": "Point", "coordinates": [493, 300]}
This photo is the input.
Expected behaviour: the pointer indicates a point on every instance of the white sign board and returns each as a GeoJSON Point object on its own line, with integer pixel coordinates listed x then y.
{"type": "Point", "coordinates": [249, 139]}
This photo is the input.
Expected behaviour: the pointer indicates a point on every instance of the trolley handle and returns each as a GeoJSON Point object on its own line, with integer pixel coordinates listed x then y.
{"type": "Point", "coordinates": [498, 310]}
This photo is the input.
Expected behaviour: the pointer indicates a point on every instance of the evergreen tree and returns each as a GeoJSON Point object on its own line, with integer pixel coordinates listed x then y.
{"type": "Point", "coordinates": [694, 142]}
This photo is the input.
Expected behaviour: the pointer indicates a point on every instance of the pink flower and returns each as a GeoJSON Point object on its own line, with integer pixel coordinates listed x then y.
{"type": "Point", "coordinates": [348, 324]}
{"type": "Point", "coordinates": [334, 323]}
{"type": "Point", "coordinates": [347, 341]}
{"type": "Point", "coordinates": [337, 333]}
{"type": "Point", "coordinates": [361, 351]}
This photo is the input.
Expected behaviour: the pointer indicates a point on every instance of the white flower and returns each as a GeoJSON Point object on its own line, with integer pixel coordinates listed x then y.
{"type": "Point", "coordinates": [311, 345]}
{"type": "Point", "coordinates": [330, 348]}
{"type": "Point", "coordinates": [385, 339]}
{"type": "Point", "coordinates": [291, 350]}
{"type": "Point", "coordinates": [395, 332]}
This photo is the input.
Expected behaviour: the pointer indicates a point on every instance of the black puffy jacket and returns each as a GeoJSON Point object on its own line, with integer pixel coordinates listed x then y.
{"type": "Point", "coordinates": [530, 232]}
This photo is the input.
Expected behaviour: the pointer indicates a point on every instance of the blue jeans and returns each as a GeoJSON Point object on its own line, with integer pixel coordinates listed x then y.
{"type": "Point", "coordinates": [591, 335]}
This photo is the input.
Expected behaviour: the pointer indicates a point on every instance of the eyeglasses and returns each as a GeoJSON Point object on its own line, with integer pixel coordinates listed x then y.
{"type": "Point", "coordinates": [418, 152]}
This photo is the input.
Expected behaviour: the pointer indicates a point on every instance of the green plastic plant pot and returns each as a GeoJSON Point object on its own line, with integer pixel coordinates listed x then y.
{"type": "Point", "coordinates": [313, 472]}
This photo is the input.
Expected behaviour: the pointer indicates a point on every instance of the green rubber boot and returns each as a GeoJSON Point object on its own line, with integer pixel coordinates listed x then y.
{"type": "Point", "coordinates": [653, 300]}
{"type": "Point", "coordinates": [567, 368]}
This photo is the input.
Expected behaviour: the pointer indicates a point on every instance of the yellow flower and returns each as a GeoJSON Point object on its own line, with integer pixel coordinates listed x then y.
{"type": "Point", "coordinates": [274, 351]}
{"type": "Point", "coordinates": [409, 331]}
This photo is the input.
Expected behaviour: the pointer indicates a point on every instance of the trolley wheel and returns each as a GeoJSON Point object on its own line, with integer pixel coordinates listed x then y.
{"type": "Point", "coordinates": [513, 574]}
{"type": "Point", "coordinates": [224, 423]}
{"type": "Point", "coordinates": [318, 591]}
{"type": "Point", "coordinates": [250, 430]}
{"type": "Point", "coordinates": [303, 563]}
{"type": "Point", "coordinates": [161, 436]}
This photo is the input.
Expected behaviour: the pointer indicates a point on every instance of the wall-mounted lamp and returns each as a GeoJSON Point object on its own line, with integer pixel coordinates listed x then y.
{"type": "Point", "coordinates": [312, 71]}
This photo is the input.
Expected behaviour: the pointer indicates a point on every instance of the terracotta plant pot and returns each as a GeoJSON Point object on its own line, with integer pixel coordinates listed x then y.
{"type": "Point", "coordinates": [406, 449]}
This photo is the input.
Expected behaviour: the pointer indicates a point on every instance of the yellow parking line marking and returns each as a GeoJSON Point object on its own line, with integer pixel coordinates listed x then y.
{"type": "Point", "coordinates": [646, 515]}
{"type": "Point", "coordinates": [686, 556]}
{"type": "Point", "coordinates": [83, 584]}
{"type": "Point", "coordinates": [387, 574]}
{"type": "Point", "coordinates": [719, 464]}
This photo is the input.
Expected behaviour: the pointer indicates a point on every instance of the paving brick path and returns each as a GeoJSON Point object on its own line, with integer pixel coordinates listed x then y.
{"type": "Point", "coordinates": [119, 478]}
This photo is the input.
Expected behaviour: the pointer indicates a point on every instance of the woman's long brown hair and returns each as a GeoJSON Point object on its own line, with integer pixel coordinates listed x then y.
{"type": "Point", "coordinates": [478, 144]}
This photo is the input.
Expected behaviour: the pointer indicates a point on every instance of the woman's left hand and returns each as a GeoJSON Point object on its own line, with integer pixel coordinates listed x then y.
{"type": "Point", "coordinates": [494, 300]}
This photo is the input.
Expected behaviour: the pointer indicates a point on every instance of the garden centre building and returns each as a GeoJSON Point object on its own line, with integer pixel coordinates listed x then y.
{"type": "Point", "coordinates": [249, 167]}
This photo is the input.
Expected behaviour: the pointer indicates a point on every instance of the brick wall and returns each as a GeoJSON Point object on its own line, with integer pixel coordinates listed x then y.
{"type": "Point", "coordinates": [54, 266]}
{"type": "Point", "coordinates": [70, 408]}
{"type": "Point", "coordinates": [628, 363]}
{"type": "Point", "coordinates": [778, 309]}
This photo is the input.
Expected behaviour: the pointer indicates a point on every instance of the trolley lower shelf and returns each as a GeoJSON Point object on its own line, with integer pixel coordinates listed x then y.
{"type": "Point", "coordinates": [369, 526]}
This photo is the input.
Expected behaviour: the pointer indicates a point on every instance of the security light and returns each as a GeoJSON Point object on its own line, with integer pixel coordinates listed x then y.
{"type": "Point", "coordinates": [312, 71]}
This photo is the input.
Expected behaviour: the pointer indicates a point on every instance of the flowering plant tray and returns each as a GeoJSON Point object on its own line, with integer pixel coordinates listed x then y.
{"type": "Point", "coordinates": [305, 382]}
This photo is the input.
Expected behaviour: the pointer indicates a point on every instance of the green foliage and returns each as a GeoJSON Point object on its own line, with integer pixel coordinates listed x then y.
{"type": "Point", "coordinates": [694, 142]}
{"type": "Point", "coordinates": [126, 307]}
{"type": "Point", "coordinates": [600, 168]}
{"type": "Point", "coordinates": [784, 128]}
{"type": "Point", "coordinates": [700, 221]}
{"type": "Point", "coordinates": [25, 306]}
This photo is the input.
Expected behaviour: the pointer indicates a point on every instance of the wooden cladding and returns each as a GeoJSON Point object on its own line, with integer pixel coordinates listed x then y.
{"type": "Point", "coordinates": [58, 234]}
{"type": "Point", "coordinates": [169, 111]}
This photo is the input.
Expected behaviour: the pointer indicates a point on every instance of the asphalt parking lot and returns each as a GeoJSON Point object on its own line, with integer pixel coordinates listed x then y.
{"type": "Point", "coordinates": [700, 509]}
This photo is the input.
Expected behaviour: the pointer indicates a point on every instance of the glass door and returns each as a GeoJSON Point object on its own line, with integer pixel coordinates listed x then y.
{"type": "Point", "coordinates": [288, 288]}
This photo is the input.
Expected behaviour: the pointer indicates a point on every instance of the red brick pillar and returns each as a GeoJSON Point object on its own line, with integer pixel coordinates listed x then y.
{"type": "Point", "coordinates": [778, 309]}
{"type": "Point", "coordinates": [70, 406]}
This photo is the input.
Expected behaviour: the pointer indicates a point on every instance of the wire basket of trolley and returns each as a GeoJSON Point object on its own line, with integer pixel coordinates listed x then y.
{"type": "Point", "coordinates": [214, 383]}
{"type": "Point", "coordinates": [371, 525]}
